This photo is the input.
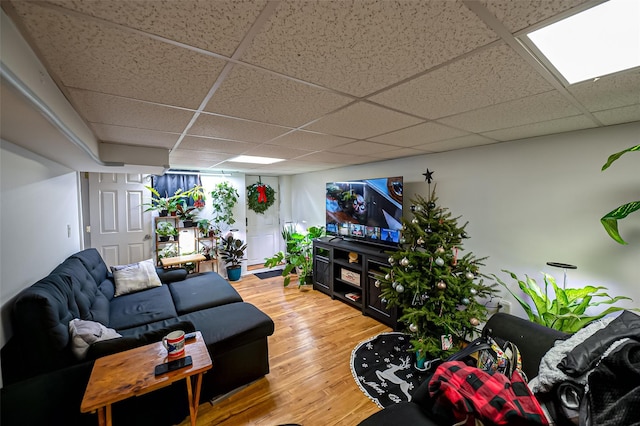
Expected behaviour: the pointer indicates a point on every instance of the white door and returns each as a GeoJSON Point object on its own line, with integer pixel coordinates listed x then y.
{"type": "Point", "coordinates": [263, 230]}
{"type": "Point", "coordinates": [120, 228]}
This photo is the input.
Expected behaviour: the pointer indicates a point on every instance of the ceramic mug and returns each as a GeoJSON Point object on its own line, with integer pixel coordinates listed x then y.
{"type": "Point", "coordinates": [174, 343]}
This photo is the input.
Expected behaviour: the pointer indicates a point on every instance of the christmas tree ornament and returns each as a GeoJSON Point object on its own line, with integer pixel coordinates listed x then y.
{"type": "Point", "coordinates": [399, 288]}
{"type": "Point", "coordinates": [418, 208]}
{"type": "Point", "coordinates": [469, 275]}
{"type": "Point", "coordinates": [431, 205]}
{"type": "Point", "coordinates": [473, 291]}
{"type": "Point", "coordinates": [440, 250]}
{"type": "Point", "coordinates": [404, 261]}
{"type": "Point", "coordinates": [391, 261]}
{"type": "Point", "coordinates": [455, 256]}
{"type": "Point", "coordinates": [394, 284]}
{"type": "Point", "coordinates": [383, 300]}
{"type": "Point", "coordinates": [387, 277]}
{"type": "Point", "coordinates": [415, 220]}
{"type": "Point", "coordinates": [413, 328]}
{"type": "Point", "coordinates": [420, 241]}
{"type": "Point", "coordinates": [439, 261]}
{"type": "Point", "coordinates": [403, 240]}
{"type": "Point", "coordinates": [474, 321]}
{"type": "Point", "coordinates": [428, 230]}
{"type": "Point", "coordinates": [404, 226]}
{"type": "Point", "coordinates": [465, 301]}
{"type": "Point", "coordinates": [441, 285]}
{"type": "Point", "coordinates": [377, 283]}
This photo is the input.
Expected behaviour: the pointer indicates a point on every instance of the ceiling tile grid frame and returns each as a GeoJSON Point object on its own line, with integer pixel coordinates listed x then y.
{"type": "Point", "coordinates": [89, 55]}
{"type": "Point", "coordinates": [419, 134]}
{"type": "Point", "coordinates": [309, 140]}
{"type": "Point", "coordinates": [217, 126]}
{"type": "Point", "coordinates": [306, 40]}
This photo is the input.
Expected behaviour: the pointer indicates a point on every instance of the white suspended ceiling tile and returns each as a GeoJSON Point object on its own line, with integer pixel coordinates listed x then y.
{"type": "Point", "coordinates": [420, 134]}
{"type": "Point", "coordinates": [542, 107]}
{"type": "Point", "coordinates": [217, 26]}
{"type": "Point", "coordinates": [609, 92]}
{"type": "Point", "coordinates": [309, 140]}
{"type": "Point", "coordinates": [362, 120]}
{"type": "Point", "coordinates": [398, 153]}
{"type": "Point", "coordinates": [261, 96]}
{"type": "Point", "coordinates": [214, 145]}
{"type": "Point", "coordinates": [108, 109]}
{"type": "Point", "coordinates": [362, 147]}
{"type": "Point", "coordinates": [325, 157]}
{"type": "Point", "coordinates": [619, 115]}
{"type": "Point", "coordinates": [346, 45]}
{"type": "Point", "coordinates": [133, 136]}
{"type": "Point", "coordinates": [488, 77]}
{"type": "Point", "coordinates": [560, 125]}
{"type": "Point", "coordinates": [190, 163]}
{"type": "Point", "coordinates": [517, 15]}
{"type": "Point", "coordinates": [189, 155]}
{"type": "Point", "coordinates": [229, 128]}
{"type": "Point", "coordinates": [276, 151]}
{"type": "Point", "coordinates": [455, 143]}
{"type": "Point", "coordinates": [104, 59]}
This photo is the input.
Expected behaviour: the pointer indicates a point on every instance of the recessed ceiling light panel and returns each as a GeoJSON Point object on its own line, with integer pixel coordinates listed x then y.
{"type": "Point", "coordinates": [254, 160]}
{"type": "Point", "coordinates": [598, 41]}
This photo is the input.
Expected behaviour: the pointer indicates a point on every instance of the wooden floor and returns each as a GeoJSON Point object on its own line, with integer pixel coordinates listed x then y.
{"type": "Point", "coordinates": [310, 382]}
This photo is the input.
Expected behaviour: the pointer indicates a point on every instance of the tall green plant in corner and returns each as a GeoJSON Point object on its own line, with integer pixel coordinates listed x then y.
{"type": "Point", "coordinates": [610, 220]}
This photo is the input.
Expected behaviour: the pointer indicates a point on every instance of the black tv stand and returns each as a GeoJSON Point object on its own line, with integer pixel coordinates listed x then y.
{"type": "Point", "coordinates": [351, 279]}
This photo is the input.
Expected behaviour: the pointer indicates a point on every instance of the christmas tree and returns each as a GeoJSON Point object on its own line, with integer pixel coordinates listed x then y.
{"type": "Point", "coordinates": [437, 288]}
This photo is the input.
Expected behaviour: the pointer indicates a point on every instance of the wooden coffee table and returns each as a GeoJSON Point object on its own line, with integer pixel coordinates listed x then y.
{"type": "Point", "coordinates": [180, 260]}
{"type": "Point", "coordinates": [131, 373]}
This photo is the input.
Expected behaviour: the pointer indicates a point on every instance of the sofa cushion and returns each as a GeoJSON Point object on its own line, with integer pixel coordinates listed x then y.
{"type": "Point", "coordinates": [130, 310]}
{"type": "Point", "coordinates": [92, 303]}
{"type": "Point", "coordinates": [40, 318]}
{"type": "Point", "coordinates": [201, 291]}
{"type": "Point", "coordinates": [93, 263]}
{"type": "Point", "coordinates": [135, 277]}
{"type": "Point", "coordinates": [230, 326]}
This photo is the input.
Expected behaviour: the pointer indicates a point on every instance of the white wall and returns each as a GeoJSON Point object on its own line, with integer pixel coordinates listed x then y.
{"type": "Point", "coordinates": [527, 202]}
{"type": "Point", "coordinates": [38, 200]}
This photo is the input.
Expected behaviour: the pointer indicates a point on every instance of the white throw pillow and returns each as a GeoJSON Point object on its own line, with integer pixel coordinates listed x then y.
{"type": "Point", "coordinates": [135, 277]}
{"type": "Point", "coordinates": [84, 333]}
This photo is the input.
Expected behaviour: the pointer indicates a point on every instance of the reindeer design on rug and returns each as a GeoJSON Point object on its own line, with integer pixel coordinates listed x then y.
{"type": "Point", "coordinates": [390, 375]}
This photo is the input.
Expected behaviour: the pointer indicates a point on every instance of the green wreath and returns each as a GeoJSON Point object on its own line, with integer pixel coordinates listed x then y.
{"type": "Point", "coordinates": [260, 197]}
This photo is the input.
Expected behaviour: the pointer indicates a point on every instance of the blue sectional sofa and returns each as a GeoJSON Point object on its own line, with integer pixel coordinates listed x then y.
{"type": "Point", "coordinates": [43, 380]}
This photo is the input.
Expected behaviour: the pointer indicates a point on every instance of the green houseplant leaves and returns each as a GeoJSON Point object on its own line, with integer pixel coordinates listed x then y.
{"type": "Point", "coordinates": [610, 220]}
{"type": "Point", "coordinates": [567, 312]}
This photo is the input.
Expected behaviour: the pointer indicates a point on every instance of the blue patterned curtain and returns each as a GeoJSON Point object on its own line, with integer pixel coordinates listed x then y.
{"type": "Point", "coordinates": [168, 184]}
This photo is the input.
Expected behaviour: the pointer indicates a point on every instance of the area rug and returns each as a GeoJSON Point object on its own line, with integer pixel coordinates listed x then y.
{"type": "Point", "coordinates": [384, 369]}
{"type": "Point", "coordinates": [269, 274]}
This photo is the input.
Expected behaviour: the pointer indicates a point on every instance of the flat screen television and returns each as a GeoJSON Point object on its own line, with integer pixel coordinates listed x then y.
{"type": "Point", "coordinates": [367, 210]}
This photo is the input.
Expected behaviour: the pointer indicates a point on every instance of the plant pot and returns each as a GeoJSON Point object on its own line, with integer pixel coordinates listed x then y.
{"type": "Point", "coordinates": [187, 223]}
{"type": "Point", "coordinates": [305, 287]}
{"type": "Point", "coordinates": [233, 272]}
{"type": "Point", "coordinates": [163, 213]}
{"type": "Point", "coordinates": [176, 237]}
{"type": "Point", "coordinates": [163, 239]}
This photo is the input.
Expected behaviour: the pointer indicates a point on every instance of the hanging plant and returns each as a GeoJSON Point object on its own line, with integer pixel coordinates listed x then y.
{"type": "Point", "coordinates": [260, 196]}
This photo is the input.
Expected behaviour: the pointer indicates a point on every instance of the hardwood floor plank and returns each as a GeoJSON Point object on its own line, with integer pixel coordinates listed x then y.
{"type": "Point", "coordinates": [310, 381]}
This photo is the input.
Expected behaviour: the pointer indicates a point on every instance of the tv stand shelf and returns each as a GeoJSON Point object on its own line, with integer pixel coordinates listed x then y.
{"type": "Point", "coordinates": [351, 279]}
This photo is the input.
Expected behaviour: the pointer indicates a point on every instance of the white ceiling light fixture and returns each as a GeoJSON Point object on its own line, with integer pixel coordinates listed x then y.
{"type": "Point", "coordinates": [599, 41]}
{"type": "Point", "coordinates": [254, 159]}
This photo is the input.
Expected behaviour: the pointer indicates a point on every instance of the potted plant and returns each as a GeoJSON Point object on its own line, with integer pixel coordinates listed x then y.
{"type": "Point", "coordinates": [204, 226]}
{"type": "Point", "coordinates": [186, 215]}
{"type": "Point", "coordinates": [161, 204]}
{"type": "Point", "coordinates": [225, 197]}
{"type": "Point", "coordinates": [232, 252]}
{"type": "Point", "coordinates": [165, 230]}
{"type": "Point", "coordinates": [567, 312]}
{"type": "Point", "coordinates": [299, 256]}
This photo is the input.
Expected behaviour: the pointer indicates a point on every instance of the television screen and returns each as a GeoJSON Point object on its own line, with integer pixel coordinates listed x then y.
{"type": "Point", "coordinates": [368, 210]}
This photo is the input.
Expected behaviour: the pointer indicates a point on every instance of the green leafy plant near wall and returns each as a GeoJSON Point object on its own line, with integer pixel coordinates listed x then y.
{"type": "Point", "coordinates": [567, 312]}
{"type": "Point", "coordinates": [610, 220]}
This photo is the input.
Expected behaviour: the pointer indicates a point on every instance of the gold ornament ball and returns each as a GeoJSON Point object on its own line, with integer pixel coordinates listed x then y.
{"type": "Point", "coordinates": [474, 322]}
{"type": "Point", "coordinates": [441, 285]}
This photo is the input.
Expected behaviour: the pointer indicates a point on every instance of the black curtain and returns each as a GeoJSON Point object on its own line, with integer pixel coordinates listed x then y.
{"type": "Point", "coordinates": [168, 184]}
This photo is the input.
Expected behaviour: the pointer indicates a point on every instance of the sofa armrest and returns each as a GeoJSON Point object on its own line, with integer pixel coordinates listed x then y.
{"type": "Point", "coordinates": [120, 344]}
{"type": "Point", "coordinates": [172, 275]}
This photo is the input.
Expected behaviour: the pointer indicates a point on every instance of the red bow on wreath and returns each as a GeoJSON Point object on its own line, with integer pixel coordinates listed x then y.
{"type": "Point", "coordinates": [262, 195]}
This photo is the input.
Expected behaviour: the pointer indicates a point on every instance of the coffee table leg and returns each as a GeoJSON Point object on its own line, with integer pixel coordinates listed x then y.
{"type": "Point", "coordinates": [104, 416]}
{"type": "Point", "coordinates": [194, 397]}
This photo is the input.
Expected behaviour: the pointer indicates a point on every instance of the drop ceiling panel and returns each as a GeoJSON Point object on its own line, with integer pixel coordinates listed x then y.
{"type": "Point", "coordinates": [187, 154]}
{"type": "Point", "coordinates": [106, 59]}
{"type": "Point", "coordinates": [276, 151]}
{"type": "Point", "coordinates": [218, 26]}
{"type": "Point", "coordinates": [133, 136]}
{"type": "Point", "coordinates": [619, 115]}
{"type": "Point", "coordinates": [310, 141]}
{"type": "Point", "coordinates": [488, 77]}
{"type": "Point", "coordinates": [362, 120]}
{"type": "Point", "coordinates": [214, 145]}
{"type": "Point", "coordinates": [325, 157]}
{"type": "Point", "coordinates": [345, 45]}
{"type": "Point", "coordinates": [542, 107]}
{"type": "Point", "coordinates": [397, 153]}
{"type": "Point", "coordinates": [261, 96]}
{"type": "Point", "coordinates": [359, 147]}
{"type": "Point", "coordinates": [420, 134]}
{"type": "Point", "coordinates": [544, 128]}
{"type": "Point", "coordinates": [108, 109]}
{"type": "Point", "coordinates": [216, 126]}
{"type": "Point", "coordinates": [516, 15]}
{"type": "Point", "coordinates": [457, 143]}
{"type": "Point", "coordinates": [609, 92]}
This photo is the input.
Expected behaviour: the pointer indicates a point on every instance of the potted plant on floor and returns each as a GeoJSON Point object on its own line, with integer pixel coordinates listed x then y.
{"type": "Point", "coordinates": [299, 256]}
{"type": "Point", "coordinates": [232, 252]}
